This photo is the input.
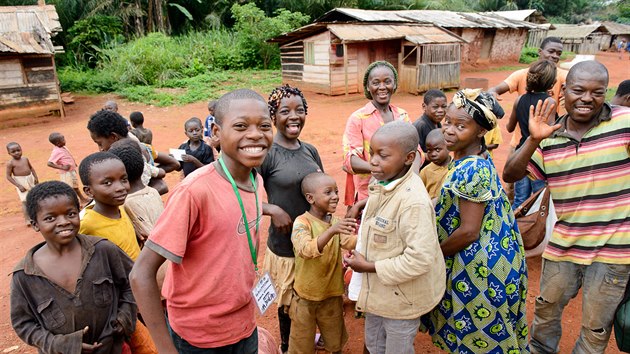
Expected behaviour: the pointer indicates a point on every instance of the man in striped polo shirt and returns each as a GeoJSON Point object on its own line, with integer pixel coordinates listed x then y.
{"type": "Point", "coordinates": [585, 159]}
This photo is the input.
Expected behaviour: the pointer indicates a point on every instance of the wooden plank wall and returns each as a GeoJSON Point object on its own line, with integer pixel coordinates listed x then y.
{"type": "Point", "coordinates": [292, 59]}
{"type": "Point", "coordinates": [27, 80]}
{"type": "Point", "coordinates": [439, 66]}
{"type": "Point", "coordinates": [319, 71]}
{"type": "Point", "coordinates": [338, 74]}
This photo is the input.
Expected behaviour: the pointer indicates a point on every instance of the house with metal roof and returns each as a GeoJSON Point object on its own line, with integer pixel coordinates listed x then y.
{"type": "Point", "coordinates": [582, 39]}
{"type": "Point", "coordinates": [331, 58]}
{"type": "Point", "coordinates": [28, 79]}
{"type": "Point", "coordinates": [535, 36]}
{"type": "Point", "coordinates": [489, 37]}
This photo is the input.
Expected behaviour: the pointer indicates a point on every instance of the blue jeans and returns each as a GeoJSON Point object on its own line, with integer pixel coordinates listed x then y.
{"type": "Point", "coordinates": [247, 345]}
{"type": "Point", "coordinates": [603, 287]}
{"type": "Point", "coordinates": [390, 336]}
{"type": "Point", "coordinates": [525, 187]}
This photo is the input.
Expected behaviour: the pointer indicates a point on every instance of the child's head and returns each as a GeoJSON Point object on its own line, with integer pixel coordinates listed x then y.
{"type": "Point", "coordinates": [392, 150]}
{"type": "Point", "coordinates": [53, 208]}
{"type": "Point", "coordinates": [193, 128]}
{"type": "Point", "coordinates": [288, 109]}
{"type": "Point", "coordinates": [104, 178]}
{"type": "Point", "coordinates": [622, 96]}
{"type": "Point", "coordinates": [244, 127]}
{"type": "Point", "coordinates": [15, 150]}
{"type": "Point", "coordinates": [110, 106]}
{"type": "Point", "coordinates": [435, 105]}
{"type": "Point", "coordinates": [57, 139]}
{"type": "Point", "coordinates": [107, 127]}
{"type": "Point", "coordinates": [471, 115]}
{"type": "Point", "coordinates": [436, 147]}
{"type": "Point", "coordinates": [541, 76]}
{"type": "Point", "coordinates": [211, 106]}
{"type": "Point", "coordinates": [320, 191]}
{"type": "Point", "coordinates": [137, 119]}
{"type": "Point", "coordinates": [129, 153]}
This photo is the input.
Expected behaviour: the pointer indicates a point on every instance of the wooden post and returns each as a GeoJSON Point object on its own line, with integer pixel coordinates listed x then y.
{"type": "Point", "coordinates": [345, 66]}
{"type": "Point", "coordinates": [62, 112]}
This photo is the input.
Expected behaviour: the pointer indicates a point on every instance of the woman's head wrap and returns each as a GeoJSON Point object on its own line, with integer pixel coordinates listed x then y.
{"type": "Point", "coordinates": [366, 76]}
{"type": "Point", "coordinates": [481, 106]}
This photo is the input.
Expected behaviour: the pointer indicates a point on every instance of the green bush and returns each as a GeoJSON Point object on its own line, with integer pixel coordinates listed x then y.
{"type": "Point", "coordinates": [89, 81]}
{"type": "Point", "coordinates": [90, 36]}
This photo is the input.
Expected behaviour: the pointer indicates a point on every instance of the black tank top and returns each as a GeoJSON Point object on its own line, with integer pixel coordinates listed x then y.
{"type": "Point", "coordinates": [522, 112]}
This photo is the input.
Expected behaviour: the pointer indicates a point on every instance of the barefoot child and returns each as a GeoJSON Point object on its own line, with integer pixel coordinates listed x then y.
{"type": "Point", "coordinates": [62, 160]}
{"type": "Point", "coordinates": [70, 294]}
{"type": "Point", "coordinates": [208, 287]}
{"type": "Point", "coordinates": [434, 173]}
{"type": "Point", "coordinates": [198, 153]}
{"type": "Point", "coordinates": [318, 237]}
{"type": "Point", "coordinates": [402, 265]}
{"type": "Point", "coordinates": [21, 174]}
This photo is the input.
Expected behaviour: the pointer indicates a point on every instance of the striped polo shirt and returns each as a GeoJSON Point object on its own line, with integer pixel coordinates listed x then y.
{"type": "Point", "coordinates": [589, 181]}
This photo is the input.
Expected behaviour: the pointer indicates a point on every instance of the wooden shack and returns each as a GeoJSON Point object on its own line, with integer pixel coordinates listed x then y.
{"type": "Point", "coordinates": [488, 37]}
{"type": "Point", "coordinates": [331, 58]}
{"type": "Point", "coordinates": [618, 31]}
{"type": "Point", "coordinates": [28, 79]}
{"type": "Point", "coordinates": [582, 39]}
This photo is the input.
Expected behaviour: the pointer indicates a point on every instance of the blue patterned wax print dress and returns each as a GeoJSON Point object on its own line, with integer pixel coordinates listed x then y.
{"type": "Point", "coordinates": [483, 309]}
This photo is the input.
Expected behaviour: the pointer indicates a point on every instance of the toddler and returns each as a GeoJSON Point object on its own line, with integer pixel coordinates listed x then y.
{"type": "Point", "coordinates": [62, 160]}
{"type": "Point", "coordinates": [318, 237]}
{"type": "Point", "coordinates": [433, 174]}
{"type": "Point", "coordinates": [21, 174]}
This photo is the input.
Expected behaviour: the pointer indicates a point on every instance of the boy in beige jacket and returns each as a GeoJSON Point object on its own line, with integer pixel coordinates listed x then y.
{"type": "Point", "coordinates": [400, 258]}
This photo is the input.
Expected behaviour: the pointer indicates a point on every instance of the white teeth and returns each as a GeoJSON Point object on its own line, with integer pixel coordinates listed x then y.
{"type": "Point", "coordinates": [253, 149]}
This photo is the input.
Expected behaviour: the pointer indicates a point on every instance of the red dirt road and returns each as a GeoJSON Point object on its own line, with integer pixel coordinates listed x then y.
{"type": "Point", "coordinates": [325, 124]}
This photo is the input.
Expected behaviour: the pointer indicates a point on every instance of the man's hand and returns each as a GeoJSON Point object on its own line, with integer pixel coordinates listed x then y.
{"type": "Point", "coordinates": [538, 118]}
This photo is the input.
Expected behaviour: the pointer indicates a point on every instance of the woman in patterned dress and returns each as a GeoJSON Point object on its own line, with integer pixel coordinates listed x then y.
{"type": "Point", "coordinates": [483, 309]}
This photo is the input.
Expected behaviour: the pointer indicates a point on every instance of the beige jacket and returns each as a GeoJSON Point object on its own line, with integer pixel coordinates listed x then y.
{"type": "Point", "coordinates": [398, 233]}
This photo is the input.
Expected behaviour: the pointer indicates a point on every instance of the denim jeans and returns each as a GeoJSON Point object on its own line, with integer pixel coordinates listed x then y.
{"type": "Point", "coordinates": [525, 187]}
{"type": "Point", "coordinates": [390, 336]}
{"type": "Point", "coordinates": [603, 286]}
{"type": "Point", "coordinates": [247, 345]}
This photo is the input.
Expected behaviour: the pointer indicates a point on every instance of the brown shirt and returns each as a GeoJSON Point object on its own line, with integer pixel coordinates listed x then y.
{"type": "Point", "coordinates": [48, 317]}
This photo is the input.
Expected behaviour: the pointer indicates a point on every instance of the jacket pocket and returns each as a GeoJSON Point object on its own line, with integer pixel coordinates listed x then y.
{"type": "Point", "coordinates": [51, 314]}
{"type": "Point", "coordinates": [383, 233]}
{"type": "Point", "coordinates": [401, 296]}
{"type": "Point", "coordinates": [103, 289]}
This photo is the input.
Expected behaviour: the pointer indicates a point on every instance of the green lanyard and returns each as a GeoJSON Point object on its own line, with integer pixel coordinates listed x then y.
{"type": "Point", "coordinates": [252, 250]}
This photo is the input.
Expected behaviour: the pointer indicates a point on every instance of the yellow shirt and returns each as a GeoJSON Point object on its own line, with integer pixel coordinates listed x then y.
{"type": "Point", "coordinates": [433, 178]}
{"type": "Point", "coordinates": [493, 137]}
{"type": "Point", "coordinates": [318, 276]}
{"type": "Point", "coordinates": [119, 231]}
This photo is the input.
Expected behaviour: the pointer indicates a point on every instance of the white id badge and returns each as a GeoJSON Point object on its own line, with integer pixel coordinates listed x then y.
{"type": "Point", "coordinates": [264, 293]}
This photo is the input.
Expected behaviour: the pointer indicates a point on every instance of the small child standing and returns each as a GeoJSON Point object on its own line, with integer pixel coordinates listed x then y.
{"type": "Point", "coordinates": [71, 293]}
{"type": "Point", "coordinates": [318, 237]}
{"type": "Point", "coordinates": [434, 105]}
{"type": "Point", "coordinates": [493, 139]}
{"type": "Point", "coordinates": [143, 134]}
{"type": "Point", "coordinates": [198, 153]}
{"type": "Point", "coordinates": [21, 174]}
{"type": "Point", "coordinates": [433, 174]}
{"type": "Point", "coordinates": [403, 268]}
{"type": "Point", "coordinates": [62, 160]}
{"type": "Point", "coordinates": [541, 77]}
{"type": "Point", "coordinates": [208, 137]}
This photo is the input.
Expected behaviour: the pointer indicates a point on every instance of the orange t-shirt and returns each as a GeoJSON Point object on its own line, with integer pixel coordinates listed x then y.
{"type": "Point", "coordinates": [208, 285]}
{"type": "Point", "coordinates": [517, 82]}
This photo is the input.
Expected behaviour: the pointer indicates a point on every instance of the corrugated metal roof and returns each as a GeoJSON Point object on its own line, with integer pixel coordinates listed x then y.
{"type": "Point", "coordinates": [616, 28]}
{"type": "Point", "coordinates": [519, 15]}
{"type": "Point", "coordinates": [27, 29]}
{"type": "Point", "coordinates": [564, 31]}
{"type": "Point", "coordinates": [448, 19]}
{"type": "Point", "coordinates": [420, 34]}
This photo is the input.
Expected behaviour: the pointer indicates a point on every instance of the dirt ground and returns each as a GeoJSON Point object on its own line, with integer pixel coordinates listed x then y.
{"type": "Point", "coordinates": [325, 124]}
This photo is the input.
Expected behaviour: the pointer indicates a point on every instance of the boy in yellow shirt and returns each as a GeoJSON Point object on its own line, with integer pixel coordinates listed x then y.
{"type": "Point", "coordinates": [318, 237]}
{"type": "Point", "coordinates": [433, 174]}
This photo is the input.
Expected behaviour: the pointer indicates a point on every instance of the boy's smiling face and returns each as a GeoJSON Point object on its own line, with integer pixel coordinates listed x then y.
{"type": "Point", "coordinates": [109, 184]}
{"type": "Point", "coordinates": [57, 219]}
{"type": "Point", "coordinates": [325, 195]}
{"type": "Point", "coordinates": [436, 109]}
{"type": "Point", "coordinates": [245, 133]}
